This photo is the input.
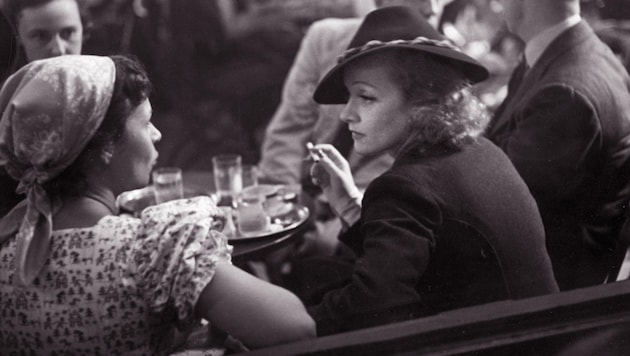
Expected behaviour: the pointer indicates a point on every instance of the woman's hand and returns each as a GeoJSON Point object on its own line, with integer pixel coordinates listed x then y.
{"type": "Point", "coordinates": [331, 172]}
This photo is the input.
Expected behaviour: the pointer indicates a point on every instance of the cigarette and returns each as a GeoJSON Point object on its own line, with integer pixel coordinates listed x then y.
{"type": "Point", "coordinates": [312, 155]}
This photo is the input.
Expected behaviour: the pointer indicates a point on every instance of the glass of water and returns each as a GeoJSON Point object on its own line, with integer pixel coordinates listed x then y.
{"type": "Point", "coordinates": [251, 215]}
{"type": "Point", "coordinates": [226, 169]}
{"type": "Point", "coordinates": [167, 183]}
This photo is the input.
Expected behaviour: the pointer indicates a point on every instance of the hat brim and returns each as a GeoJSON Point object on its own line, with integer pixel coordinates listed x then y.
{"type": "Point", "coordinates": [331, 89]}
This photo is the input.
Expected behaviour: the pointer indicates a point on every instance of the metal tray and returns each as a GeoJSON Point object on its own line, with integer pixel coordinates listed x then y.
{"type": "Point", "coordinates": [294, 218]}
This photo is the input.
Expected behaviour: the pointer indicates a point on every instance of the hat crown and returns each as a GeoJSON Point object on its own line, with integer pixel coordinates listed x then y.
{"type": "Point", "coordinates": [393, 23]}
{"type": "Point", "coordinates": [395, 27]}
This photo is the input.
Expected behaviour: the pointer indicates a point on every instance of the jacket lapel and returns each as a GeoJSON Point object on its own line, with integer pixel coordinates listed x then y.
{"type": "Point", "coordinates": [559, 46]}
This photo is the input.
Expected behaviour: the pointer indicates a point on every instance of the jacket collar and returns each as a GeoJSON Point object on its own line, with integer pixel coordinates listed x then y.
{"type": "Point", "coordinates": [537, 45]}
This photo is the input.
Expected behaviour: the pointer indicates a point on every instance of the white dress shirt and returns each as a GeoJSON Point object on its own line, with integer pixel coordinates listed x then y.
{"type": "Point", "coordinates": [539, 43]}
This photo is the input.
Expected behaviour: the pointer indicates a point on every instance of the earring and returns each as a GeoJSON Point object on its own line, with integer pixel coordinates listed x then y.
{"type": "Point", "coordinates": [106, 156]}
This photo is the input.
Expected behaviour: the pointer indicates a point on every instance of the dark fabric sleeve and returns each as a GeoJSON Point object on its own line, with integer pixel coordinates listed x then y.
{"type": "Point", "coordinates": [553, 142]}
{"type": "Point", "coordinates": [353, 238]}
{"type": "Point", "coordinates": [393, 256]}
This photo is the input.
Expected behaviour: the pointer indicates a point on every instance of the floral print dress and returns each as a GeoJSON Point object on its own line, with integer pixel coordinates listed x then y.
{"type": "Point", "coordinates": [119, 287]}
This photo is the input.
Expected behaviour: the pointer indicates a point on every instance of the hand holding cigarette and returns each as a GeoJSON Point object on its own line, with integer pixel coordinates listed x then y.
{"type": "Point", "coordinates": [319, 176]}
{"type": "Point", "coordinates": [331, 172]}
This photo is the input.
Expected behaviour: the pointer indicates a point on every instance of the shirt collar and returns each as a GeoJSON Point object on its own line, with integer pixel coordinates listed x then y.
{"type": "Point", "coordinates": [537, 45]}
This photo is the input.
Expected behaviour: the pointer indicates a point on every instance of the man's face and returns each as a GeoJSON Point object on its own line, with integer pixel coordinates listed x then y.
{"type": "Point", "coordinates": [50, 30]}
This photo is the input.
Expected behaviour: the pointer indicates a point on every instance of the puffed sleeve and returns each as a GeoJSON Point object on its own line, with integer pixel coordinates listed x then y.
{"type": "Point", "coordinates": [175, 254]}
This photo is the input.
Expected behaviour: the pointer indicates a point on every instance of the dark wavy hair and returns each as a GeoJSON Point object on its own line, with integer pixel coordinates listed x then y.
{"type": "Point", "coordinates": [446, 112]}
{"type": "Point", "coordinates": [12, 9]}
{"type": "Point", "coordinates": [131, 88]}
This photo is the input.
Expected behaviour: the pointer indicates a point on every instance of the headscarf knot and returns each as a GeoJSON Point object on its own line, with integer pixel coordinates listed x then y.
{"type": "Point", "coordinates": [30, 179]}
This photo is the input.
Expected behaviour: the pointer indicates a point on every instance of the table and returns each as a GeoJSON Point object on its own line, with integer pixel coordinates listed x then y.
{"type": "Point", "coordinates": [244, 250]}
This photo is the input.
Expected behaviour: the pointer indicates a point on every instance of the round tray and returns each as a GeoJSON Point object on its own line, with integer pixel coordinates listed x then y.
{"type": "Point", "coordinates": [280, 225]}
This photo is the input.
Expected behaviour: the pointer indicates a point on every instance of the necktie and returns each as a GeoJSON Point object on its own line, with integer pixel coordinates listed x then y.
{"type": "Point", "coordinates": [514, 83]}
{"type": "Point", "coordinates": [517, 76]}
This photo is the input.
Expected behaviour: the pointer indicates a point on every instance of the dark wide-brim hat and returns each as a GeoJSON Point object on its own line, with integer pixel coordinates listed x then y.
{"type": "Point", "coordinates": [395, 27]}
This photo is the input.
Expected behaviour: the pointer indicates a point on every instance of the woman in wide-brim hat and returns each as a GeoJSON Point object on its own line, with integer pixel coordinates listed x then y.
{"type": "Point", "coordinates": [452, 223]}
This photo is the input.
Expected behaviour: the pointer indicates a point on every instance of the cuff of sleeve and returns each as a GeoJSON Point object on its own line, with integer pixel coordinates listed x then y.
{"type": "Point", "coordinates": [349, 212]}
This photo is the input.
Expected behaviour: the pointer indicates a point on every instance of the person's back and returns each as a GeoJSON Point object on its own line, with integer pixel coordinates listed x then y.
{"type": "Point", "coordinates": [566, 129]}
{"type": "Point", "coordinates": [448, 229]}
{"type": "Point", "coordinates": [488, 222]}
{"type": "Point", "coordinates": [102, 288]}
{"type": "Point", "coordinates": [121, 286]}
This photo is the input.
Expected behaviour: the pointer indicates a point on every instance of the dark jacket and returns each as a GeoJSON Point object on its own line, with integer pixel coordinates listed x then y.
{"type": "Point", "coordinates": [447, 230]}
{"type": "Point", "coordinates": [566, 128]}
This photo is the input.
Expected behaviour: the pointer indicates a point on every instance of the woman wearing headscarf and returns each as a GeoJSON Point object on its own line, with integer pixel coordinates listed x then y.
{"type": "Point", "coordinates": [75, 277]}
{"type": "Point", "coordinates": [451, 224]}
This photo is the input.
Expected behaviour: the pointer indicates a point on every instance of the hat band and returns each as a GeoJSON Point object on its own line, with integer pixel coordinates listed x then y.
{"type": "Point", "coordinates": [376, 43]}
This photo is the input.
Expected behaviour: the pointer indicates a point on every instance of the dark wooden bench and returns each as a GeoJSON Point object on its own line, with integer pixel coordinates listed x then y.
{"type": "Point", "coordinates": [587, 321]}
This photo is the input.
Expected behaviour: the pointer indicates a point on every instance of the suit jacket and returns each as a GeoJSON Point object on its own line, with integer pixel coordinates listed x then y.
{"type": "Point", "coordinates": [566, 128]}
{"type": "Point", "coordinates": [446, 230]}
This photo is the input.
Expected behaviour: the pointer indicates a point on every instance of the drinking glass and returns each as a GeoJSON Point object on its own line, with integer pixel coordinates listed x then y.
{"type": "Point", "coordinates": [167, 183]}
{"type": "Point", "coordinates": [250, 212]}
{"type": "Point", "coordinates": [249, 175]}
{"type": "Point", "coordinates": [228, 182]}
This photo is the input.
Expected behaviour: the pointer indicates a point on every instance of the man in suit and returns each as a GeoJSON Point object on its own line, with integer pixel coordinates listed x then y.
{"type": "Point", "coordinates": [565, 125]}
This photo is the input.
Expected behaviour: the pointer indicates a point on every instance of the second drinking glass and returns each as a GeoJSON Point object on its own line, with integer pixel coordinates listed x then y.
{"type": "Point", "coordinates": [167, 183]}
{"type": "Point", "coordinates": [226, 169]}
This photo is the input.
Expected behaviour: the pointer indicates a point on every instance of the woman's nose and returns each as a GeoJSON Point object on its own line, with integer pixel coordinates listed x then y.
{"type": "Point", "coordinates": [348, 113]}
{"type": "Point", "coordinates": [156, 135]}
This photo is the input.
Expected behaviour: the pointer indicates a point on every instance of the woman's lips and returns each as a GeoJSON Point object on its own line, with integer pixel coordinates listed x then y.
{"type": "Point", "coordinates": [356, 135]}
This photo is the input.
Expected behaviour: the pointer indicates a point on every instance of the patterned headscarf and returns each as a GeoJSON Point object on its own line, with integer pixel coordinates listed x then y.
{"type": "Point", "coordinates": [51, 109]}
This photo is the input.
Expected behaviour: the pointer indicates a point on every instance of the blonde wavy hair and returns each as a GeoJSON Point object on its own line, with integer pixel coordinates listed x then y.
{"type": "Point", "coordinates": [446, 113]}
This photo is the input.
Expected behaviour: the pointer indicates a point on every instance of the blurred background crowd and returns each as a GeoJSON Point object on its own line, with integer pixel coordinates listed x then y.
{"type": "Point", "coordinates": [219, 65]}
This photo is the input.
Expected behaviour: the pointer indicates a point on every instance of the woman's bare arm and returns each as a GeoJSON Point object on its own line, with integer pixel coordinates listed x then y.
{"type": "Point", "coordinates": [252, 310]}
